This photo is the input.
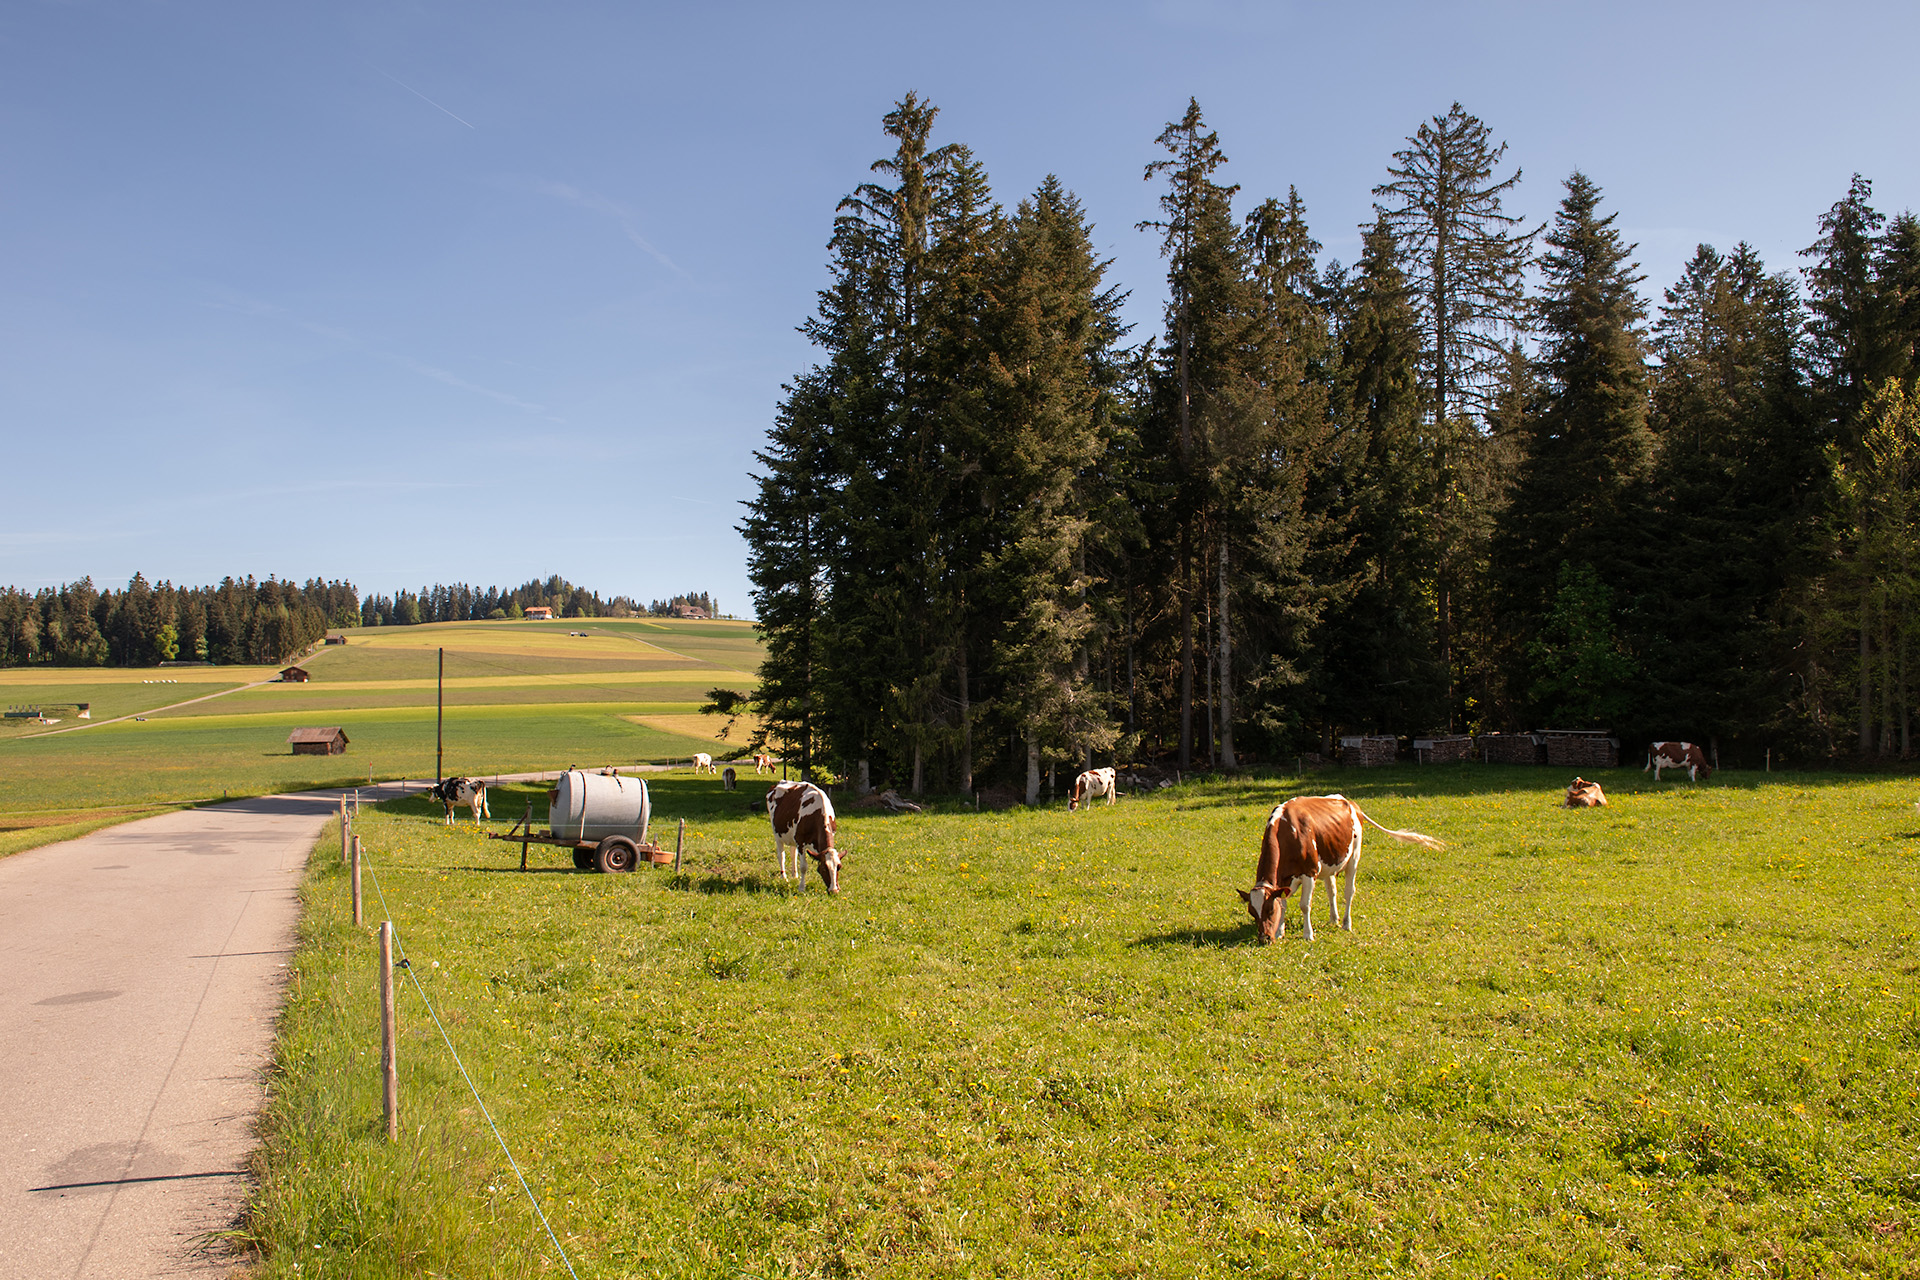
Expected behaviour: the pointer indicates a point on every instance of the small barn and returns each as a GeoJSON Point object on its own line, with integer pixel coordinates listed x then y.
{"type": "Point", "coordinates": [294, 675]}
{"type": "Point", "coordinates": [318, 742]}
{"type": "Point", "coordinates": [336, 638]}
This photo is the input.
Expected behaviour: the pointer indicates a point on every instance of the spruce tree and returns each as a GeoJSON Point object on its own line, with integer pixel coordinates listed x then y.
{"type": "Point", "coordinates": [1380, 670]}
{"type": "Point", "coordinates": [1897, 274]}
{"type": "Point", "coordinates": [1464, 257]}
{"type": "Point", "coordinates": [1735, 493]}
{"type": "Point", "coordinates": [1052, 333]}
{"type": "Point", "coordinates": [1208, 390]}
{"type": "Point", "coordinates": [1852, 345]}
{"type": "Point", "coordinates": [1589, 447]}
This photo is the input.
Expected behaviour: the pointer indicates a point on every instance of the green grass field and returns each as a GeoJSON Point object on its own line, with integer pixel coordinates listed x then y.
{"type": "Point", "coordinates": [1675, 1037]}
{"type": "Point", "coordinates": [519, 697]}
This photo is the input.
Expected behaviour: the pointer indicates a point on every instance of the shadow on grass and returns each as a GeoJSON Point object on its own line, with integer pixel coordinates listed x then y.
{"type": "Point", "coordinates": [1202, 939]}
{"type": "Point", "coordinates": [1406, 781]}
{"type": "Point", "coordinates": [721, 885]}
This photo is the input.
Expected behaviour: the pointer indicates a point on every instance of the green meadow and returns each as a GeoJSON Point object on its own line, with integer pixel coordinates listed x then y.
{"type": "Point", "coordinates": [518, 696]}
{"type": "Point", "coordinates": [1677, 1036]}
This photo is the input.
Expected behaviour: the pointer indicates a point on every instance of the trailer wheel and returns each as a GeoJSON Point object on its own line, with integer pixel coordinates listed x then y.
{"type": "Point", "coordinates": [616, 853]}
{"type": "Point", "coordinates": [583, 859]}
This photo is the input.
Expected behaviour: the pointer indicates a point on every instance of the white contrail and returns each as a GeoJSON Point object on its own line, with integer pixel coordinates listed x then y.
{"type": "Point", "coordinates": [416, 93]}
{"type": "Point", "coordinates": [629, 225]}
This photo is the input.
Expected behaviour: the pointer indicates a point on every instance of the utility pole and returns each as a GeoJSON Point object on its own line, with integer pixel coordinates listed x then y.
{"type": "Point", "coordinates": [440, 719]}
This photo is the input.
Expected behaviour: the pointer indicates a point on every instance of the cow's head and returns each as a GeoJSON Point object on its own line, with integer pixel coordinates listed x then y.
{"type": "Point", "coordinates": [1075, 796]}
{"type": "Point", "coordinates": [1265, 903]}
{"type": "Point", "coordinates": [828, 861]}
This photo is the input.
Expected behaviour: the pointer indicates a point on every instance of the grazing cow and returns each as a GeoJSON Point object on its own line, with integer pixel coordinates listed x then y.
{"type": "Point", "coordinates": [762, 762]}
{"type": "Point", "coordinates": [458, 791]}
{"type": "Point", "coordinates": [1585, 795]}
{"type": "Point", "coordinates": [702, 762]}
{"type": "Point", "coordinates": [727, 777]}
{"type": "Point", "coordinates": [1090, 786]}
{"type": "Point", "coordinates": [802, 816]}
{"type": "Point", "coordinates": [1311, 838]}
{"type": "Point", "coordinates": [1678, 755]}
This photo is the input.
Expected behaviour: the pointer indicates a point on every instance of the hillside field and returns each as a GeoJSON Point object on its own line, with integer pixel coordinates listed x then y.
{"type": "Point", "coordinates": [1677, 1036]}
{"type": "Point", "coordinates": [519, 697]}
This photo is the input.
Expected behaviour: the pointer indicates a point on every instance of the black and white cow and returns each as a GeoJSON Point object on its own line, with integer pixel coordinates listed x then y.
{"type": "Point", "coordinates": [463, 791]}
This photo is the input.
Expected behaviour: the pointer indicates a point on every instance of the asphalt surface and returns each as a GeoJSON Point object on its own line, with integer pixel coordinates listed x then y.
{"type": "Point", "coordinates": [141, 970]}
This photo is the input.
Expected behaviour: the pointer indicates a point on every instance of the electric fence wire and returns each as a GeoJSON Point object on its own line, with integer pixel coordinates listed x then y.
{"type": "Point", "coordinates": [474, 1089]}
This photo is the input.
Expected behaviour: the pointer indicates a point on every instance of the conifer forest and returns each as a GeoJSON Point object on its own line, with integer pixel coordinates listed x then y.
{"type": "Point", "coordinates": [1475, 480]}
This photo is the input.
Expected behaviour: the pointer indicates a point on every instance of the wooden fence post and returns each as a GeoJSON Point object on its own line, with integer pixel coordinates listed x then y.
{"type": "Point", "coordinates": [356, 882]}
{"type": "Point", "coordinates": [679, 841]}
{"type": "Point", "coordinates": [343, 827]}
{"type": "Point", "coordinates": [389, 1065]}
{"type": "Point", "coordinates": [526, 834]}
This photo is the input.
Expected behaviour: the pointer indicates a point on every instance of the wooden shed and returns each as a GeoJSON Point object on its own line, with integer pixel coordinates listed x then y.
{"type": "Point", "coordinates": [319, 742]}
{"type": "Point", "coordinates": [294, 675]}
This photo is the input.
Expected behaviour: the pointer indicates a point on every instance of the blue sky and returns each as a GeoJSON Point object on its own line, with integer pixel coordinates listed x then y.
{"type": "Point", "coordinates": [417, 292]}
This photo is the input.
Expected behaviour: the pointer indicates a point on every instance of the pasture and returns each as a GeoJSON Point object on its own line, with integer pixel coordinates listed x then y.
{"type": "Point", "coordinates": [519, 697]}
{"type": "Point", "coordinates": [1677, 1036]}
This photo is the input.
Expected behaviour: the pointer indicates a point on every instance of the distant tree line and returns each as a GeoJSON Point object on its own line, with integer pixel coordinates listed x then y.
{"type": "Point", "coordinates": [693, 599]}
{"type": "Point", "coordinates": [239, 621]}
{"type": "Point", "coordinates": [462, 603]}
{"type": "Point", "coordinates": [1469, 481]}
{"type": "Point", "coordinates": [244, 621]}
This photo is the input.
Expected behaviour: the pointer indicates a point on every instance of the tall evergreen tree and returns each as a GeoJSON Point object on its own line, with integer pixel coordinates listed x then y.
{"type": "Point", "coordinates": [1053, 332]}
{"type": "Point", "coordinates": [1735, 493]}
{"type": "Point", "coordinates": [1853, 347]}
{"type": "Point", "coordinates": [1589, 446]}
{"type": "Point", "coordinates": [1464, 256]}
{"type": "Point", "coordinates": [1207, 392]}
{"type": "Point", "coordinates": [1380, 669]}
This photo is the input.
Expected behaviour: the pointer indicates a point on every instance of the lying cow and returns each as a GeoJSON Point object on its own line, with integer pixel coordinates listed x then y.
{"type": "Point", "coordinates": [1311, 838]}
{"type": "Point", "coordinates": [1678, 755]}
{"type": "Point", "coordinates": [463, 791]}
{"type": "Point", "coordinates": [702, 762]}
{"type": "Point", "coordinates": [1090, 786]}
{"type": "Point", "coordinates": [1582, 794]}
{"type": "Point", "coordinates": [802, 816]}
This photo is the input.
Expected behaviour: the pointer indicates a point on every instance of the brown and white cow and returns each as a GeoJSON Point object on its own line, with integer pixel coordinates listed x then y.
{"type": "Point", "coordinates": [1678, 755]}
{"type": "Point", "coordinates": [1090, 786]}
{"type": "Point", "coordinates": [802, 816]}
{"type": "Point", "coordinates": [1311, 838]}
{"type": "Point", "coordinates": [762, 762]}
{"type": "Point", "coordinates": [1582, 794]}
{"type": "Point", "coordinates": [702, 762]}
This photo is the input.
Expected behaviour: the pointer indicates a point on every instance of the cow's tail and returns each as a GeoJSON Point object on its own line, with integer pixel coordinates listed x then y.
{"type": "Point", "coordinates": [1411, 837]}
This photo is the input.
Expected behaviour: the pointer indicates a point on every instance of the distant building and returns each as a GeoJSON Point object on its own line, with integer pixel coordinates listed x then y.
{"type": "Point", "coordinates": [689, 611]}
{"type": "Point", "coordinates": [318, 742]}
{"type": "Point", "coordinates": [294, 675]}
{"type": "Point", "coordinates": [539, 613]}
{"type": "Point", "coordinates": [336, 638]}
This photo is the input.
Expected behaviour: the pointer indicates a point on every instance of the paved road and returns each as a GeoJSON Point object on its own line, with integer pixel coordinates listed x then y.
{"type": "Point", "coordinates": [141, 969]}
